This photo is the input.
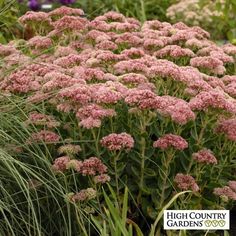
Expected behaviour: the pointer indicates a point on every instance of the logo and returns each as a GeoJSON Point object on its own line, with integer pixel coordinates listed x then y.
{"type": "Point", "coordinates": [196, 219]}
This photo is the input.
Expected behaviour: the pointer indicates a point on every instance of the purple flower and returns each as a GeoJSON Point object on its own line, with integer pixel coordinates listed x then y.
{"type": "Point", "coordinates": [66, 2]}
{"type": "Point", "coordinates": [34, 5]}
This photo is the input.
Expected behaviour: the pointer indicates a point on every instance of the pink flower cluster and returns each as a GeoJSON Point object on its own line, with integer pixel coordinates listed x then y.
{"type": "Point", "coordinates": [91, 115]}
{"type": "Point", "coordinates": [178, 109]}
{"type": "Point", "coordinates": [186, 182]}
{"type": "Point", "coordinates": [69, 149]}
{"type": "Point", "coordinates": [40, 119]}
{"type": "Point", "coordinates": [174, 51]}
{"type": "Point", "coordinates": [116, 142]}
{"type": "Point", "coordinates": [60, 163]}
{"type": "Point", "coordinates": [67, 23]}
{"type": "Point", "coordinates": [205, 156]}
{"type": "Point", "coordinates": [215, 98]}
{"type": "Point", "coordinates": [83, 195]}
{"type": "Point", "coordinates": [40, 42]}
{"type": "Point", "coordinates": [227, 127]}
{"type": "Point", "coordinates": [32, 17]}
{"type": "Point", "coordinates": [103, 178]}
{"type": "Point", "coordinates": [114, 59]}
{"type": "Point", "coordinates": [211, 63]}
{"type": "Point", "coordinates": [45, 136]}
{"type": "Point", "coordinates": [227, 191]}
{"type": "Point", "coordinates": [62, 11]}
{"type": "Point", "coordinates": [90, 166]}
{"type": "Point", "coordinates": [171, 140]}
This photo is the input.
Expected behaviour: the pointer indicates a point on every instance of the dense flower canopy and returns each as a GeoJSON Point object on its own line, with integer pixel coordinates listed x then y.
{"type": "Point", "coordinates": [112, 59]}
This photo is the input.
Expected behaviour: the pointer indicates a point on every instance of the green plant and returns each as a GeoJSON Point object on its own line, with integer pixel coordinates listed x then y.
{"type": "Point", "coordinates": [8, 20]}
{"type": "Point", "coordinates": [115, 221]}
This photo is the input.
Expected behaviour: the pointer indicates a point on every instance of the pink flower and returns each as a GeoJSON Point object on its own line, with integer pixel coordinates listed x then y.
{"type": "Point", "coordinates": [107, 45]}
{"type": "Point", "coordinates": [211, 63]}
{"type": "Point", "coordinates": [174, 51]}
{"type": "Point", "coordinates": [113, 16]}
{"type": "Point", "coordinates": [102, 178]}
{"type": "Point", "coordinates": [44, 136]}
{"type": "Point", "coordinates": [227, 127]}
{"type": "Point", "coordinates": [115, 142]}
{"type": "Point", "coordinates": [75, 165]}
{"type": "Point", "coordinates": [214, 81]}
{"type": "Point", "coordinates": [68, 61]}
{"type": "Point", "coordinates": [40, 42]}
{"type": "Point", "coordinates": [208, 49]}
{"type": "Point", "coordinates": [108, 93]}
{"type": "Point", "coordinates": [99, 25]}
{"type": "Point", "coordinates": [171, 140]}
{"type": "Point", "coordinates": [63, 11]}
{"type": "Point", "coordinates": [132, 53]}
{"type": "Point", "coordinates": [133, 78]}
{"type": "Point", "coordinates": [61, 51]}
{"type": "Point", "coordinates": [222, 56]}
{"type": "Point", "coordinates": [78, 93]}
{"type": "Point", "coordinates": [92, 114]}
{"type": "Point", "coordinates": [36, 118]}
{"type": "Point", "coordinates": [56, 80]}
{"type": "Point", "coordinates": [232, 185]}
{"type": "Point", "coordinates": [34, 17]}
{"type": "Point", "coordinates": [69, 149]}
{"type": "Point", "coordinates": [197, 44]}
{"type": "Point", "coordinates": [92, 166]}
{"type": "Point", "coordinates": [70, 23]}
{"type": "Point", "coordinates": [128, 38]}
{"type": "Point", "coordinates": [225, 191]}
{"type": "Point", "coordinates": [231, 89]}
{"type": "Point", "coordinates": [130, 66]}
{"type": "Point", "coordinates": [143, 98]}
{"type": "Point", "coordinates": [83, 195]}
{"type": "Point", "coordinates": [163, 68]}
{"type": "Point", "coordinates": [153, 44]}
{"type": "Point", "coordinates": [6, 50]}
{"type": "Point", "coordinates": [178, 109]}
{"type": "Point", "coordinates": [152, 24]}
{"type": "Point", "coordinates": [186, 182]}
{"type": "Point", "coordinates": [94, 111]}
{"type": "Point", "coordinates": [214, 98]}
{"type": "Point", "coordinates": [21, 81]}
{"type": "Point", "coordinates": [60, 163]}
{"type": "Point", "coordinates": [90, 123]}
{"type": "Point", "coordinates": [97, 36]}
{"type": "Point", "coordinates": [229, 49]}
{"type": "Point", "coordinates": [205, 156]}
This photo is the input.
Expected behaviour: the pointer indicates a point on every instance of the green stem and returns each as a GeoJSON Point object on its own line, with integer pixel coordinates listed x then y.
{"type": "Point", "coordinates": [96, 139]}
{"type": "Point", "coordinates": [116, 176]}
{"type": "Point", "coordinates": [226, 160]}
{"type": "Point", "coordinates": [166, 170]}
{"type": "Point", "coordinates": [190, 166]}
{"type": "Point", "coordinates": [143, 124]}
{"type": "Point", "coordinates": [143, 146]}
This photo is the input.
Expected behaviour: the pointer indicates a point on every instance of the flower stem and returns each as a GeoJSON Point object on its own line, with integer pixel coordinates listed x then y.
{"type": "Point", "coordinates": [116, 176]}
{"type": "Point", "coordinates": [143, 146]}
{"type": "Point", "coordinates": [166, 170]}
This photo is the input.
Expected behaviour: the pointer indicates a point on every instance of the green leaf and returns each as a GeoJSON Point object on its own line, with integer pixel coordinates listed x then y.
{"type": "Point", "coordinates": [2, 39]}
{"type": "Point", "coordinates": [150, 172]}
{"type": "Point", "coordinates": [153, 227]}
{"type": "Point", "coordinates": [125, 206]}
